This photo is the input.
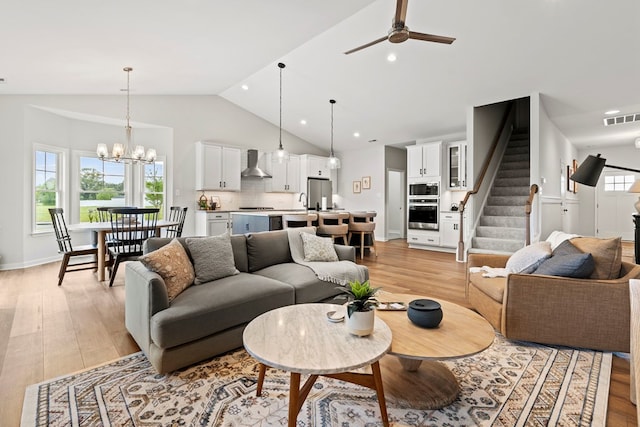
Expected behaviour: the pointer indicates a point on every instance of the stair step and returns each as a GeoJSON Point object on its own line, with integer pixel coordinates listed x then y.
{"type": "Point", "coordinates": [513, 173]}
{"type": "Point", "coordinates": [502, 221]}
{"type": "Point", "coordinates": [518, 201]}
{"type": "Point", "coordinates": [504, 211]}
{"type": "Point", "coordinates": [507, 158]}
{"type": "Point", "coordinates": [488, 251]}
{"type": "Point", "coordinates": [505, 245]}
{"type": "Point", "coordinates": [510, 191]}
{"type": "Point", "coordinates": [511, 233]}
{"type": "Point", "coordinates": [518, 141]}
{"type": "Point", "coordinates": [514, 165]}
{"type": "Point", "coordinates": [524, 149]}
{"type": "Point", "coordinates": [511, 182]}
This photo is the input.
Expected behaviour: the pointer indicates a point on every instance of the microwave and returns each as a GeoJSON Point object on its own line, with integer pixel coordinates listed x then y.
{"type": "Point", "coordinates": [424, 189]}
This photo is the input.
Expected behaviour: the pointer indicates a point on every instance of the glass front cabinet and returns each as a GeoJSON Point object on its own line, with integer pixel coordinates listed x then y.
{"type": "Point", "coordinates": [457, 165]}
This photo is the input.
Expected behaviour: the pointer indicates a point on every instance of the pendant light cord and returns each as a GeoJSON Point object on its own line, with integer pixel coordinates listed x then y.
{"type": "Point", "coordinates": [281, 65]}
{"type": "Point", "coordinates": [332, 101]}
{"type": "Point", "coordinates": [128, 128]}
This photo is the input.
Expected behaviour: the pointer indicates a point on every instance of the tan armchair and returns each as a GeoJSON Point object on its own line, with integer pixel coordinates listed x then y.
{"type": "Point", "coordinates": [589, 313]}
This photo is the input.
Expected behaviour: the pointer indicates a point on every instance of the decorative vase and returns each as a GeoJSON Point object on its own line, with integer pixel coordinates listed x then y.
{"type": "Point", "coordinates": [360, 323]}
{"type": "Point", "coordinates": [425, 312]}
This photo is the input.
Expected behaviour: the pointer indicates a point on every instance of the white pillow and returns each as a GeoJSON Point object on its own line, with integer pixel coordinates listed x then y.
{"type": "Point", "coordinates": [527, 259]}
{"type": "Point", "coordinates": [556, 237]}
{"type": "Point", "coordinates": [318, 248]}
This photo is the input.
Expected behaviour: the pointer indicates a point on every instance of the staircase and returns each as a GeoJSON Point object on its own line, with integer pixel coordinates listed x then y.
{"type": "Point", "coordinates": [502, 223]}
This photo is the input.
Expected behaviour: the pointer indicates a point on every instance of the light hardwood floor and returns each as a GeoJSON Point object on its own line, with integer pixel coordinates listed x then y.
{"type": "Point", "coordinates": [48, 331]}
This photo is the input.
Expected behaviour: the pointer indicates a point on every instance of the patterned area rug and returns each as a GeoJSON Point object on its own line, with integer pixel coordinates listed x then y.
{"type": "Point", "coordinates": [509, 384]}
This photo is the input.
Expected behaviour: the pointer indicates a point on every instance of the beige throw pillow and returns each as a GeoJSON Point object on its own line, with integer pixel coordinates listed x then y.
{"type": "Point", "coordinates": [318, 248]}
{"type": "Point", "coordinates": [607, 254]}
{"type": "Point", "coordinates": [172, 263]}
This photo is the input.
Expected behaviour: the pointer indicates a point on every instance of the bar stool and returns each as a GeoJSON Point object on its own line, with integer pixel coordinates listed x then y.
{"type": "Point", "coordinates": [333, 225]}
{"type": "Point", "coordinates": [298, 220]}
{"type": "Point", "coordinates": [362, 223]}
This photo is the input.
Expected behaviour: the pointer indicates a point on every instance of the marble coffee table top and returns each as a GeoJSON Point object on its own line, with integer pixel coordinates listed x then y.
{"type": "Point", "coordinates": [299, 338]}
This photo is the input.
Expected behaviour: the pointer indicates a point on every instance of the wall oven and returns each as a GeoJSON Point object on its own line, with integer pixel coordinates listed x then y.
{"type": "Point", "coordinates": [423, 213]}
{"type": "Point", "coordinates": [420, 189]}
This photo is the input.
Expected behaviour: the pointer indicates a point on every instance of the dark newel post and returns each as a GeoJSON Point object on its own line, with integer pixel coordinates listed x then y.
{"type": "Point", "coordinates": [636, 221]}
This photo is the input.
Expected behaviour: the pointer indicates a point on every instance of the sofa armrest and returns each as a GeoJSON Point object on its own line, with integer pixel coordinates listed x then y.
{"type": "Point", "coordinates": [145, 295]}
{"type": "Point", "coordinates": [345, 253]}
{"type": "Point", "coordinates": [572, 312]}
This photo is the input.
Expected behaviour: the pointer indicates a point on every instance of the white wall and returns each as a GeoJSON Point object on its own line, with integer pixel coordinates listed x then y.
{"type": "Point", "coordinates": [355, 165]}
{"type": "Point", "coordinates": [190, 118]}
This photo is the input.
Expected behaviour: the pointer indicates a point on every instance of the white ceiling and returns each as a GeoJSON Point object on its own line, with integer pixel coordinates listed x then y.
{"type": "Point", "coordinates": [581, 55]}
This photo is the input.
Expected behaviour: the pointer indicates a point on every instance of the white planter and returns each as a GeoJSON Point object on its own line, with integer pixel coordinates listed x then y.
{"type": "Point", "coordinates": [361, 322]}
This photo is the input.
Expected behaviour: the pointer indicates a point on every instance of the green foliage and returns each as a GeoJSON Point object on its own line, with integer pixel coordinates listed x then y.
{"type": "Point", "coordinates": [361, 296]}
{"type": "Point", "coordinates": [154, 194]}
{"type": "Point", "coordinates": [106, 194]}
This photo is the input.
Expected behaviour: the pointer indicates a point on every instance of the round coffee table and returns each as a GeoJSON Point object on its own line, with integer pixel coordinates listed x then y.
{"type": "Point", "coordinates": [300, 339]}
{"type": "Point", "coordinates": [415, 377]}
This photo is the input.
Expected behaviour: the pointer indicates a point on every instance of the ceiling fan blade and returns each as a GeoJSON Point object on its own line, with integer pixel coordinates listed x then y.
{"type": "Point", "coordinates": [401, 11]}
{"type": "Point", "coordinates": [381, 39]}
{"type": "Point", "coordinates": [431, 37]}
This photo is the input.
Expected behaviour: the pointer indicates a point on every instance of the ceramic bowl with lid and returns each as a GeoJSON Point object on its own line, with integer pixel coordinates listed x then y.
{"type": "Point", "coordinates": [425, 312]}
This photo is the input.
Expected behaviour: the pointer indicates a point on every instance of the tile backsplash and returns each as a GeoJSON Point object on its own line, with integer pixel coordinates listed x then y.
{"type": "Point", "coordinates": [252, 194]}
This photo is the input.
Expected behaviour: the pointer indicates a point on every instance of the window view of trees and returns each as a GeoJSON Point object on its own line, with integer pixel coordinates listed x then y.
{"type": "Point", "coordinates": [101, 184]}
{"type": "Point", "coordinates": [154, 186]}
{"type": "Point", "coordinates": [46, 187]}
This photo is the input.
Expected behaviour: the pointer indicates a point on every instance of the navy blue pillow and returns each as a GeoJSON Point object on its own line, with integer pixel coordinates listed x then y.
{"type": "Point", "coordinates": [579, 266]}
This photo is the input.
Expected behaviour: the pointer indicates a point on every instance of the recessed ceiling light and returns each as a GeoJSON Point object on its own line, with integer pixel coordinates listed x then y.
{"type": "Point", "coordinates": [611, 112]}
{"type": "Point", "coordinates": [391, 57]}
{"type": "Point", "coordinates": [303, 122]}
{"type": "Point", "coordinates": [356, 134]}
{"type": "Point", "coordinates": [244, 87]}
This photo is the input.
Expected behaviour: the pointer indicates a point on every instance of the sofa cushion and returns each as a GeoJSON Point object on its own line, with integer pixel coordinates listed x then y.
{"type": "Point", "coordinates": [607, 255]}
{"type": "Point", "coordinates": [579, 266]}
{"type": "Point", "coordinates": [308, 288]}
{"type": "Point", "coordinates": [491, 286]}
{"type": "Point", "coordinates": [172, 263]}
{"type": "Point", "coordinates": [212, 257]}
{"type": "Point", "coordinates": [566, 248]}
{"type": "Point", "coordinates": [318, 248]}
{"type": "Point", "coordinates": [267, 248]}
{"type": "Point", "coordinates": [527, 259]}
{"type": "Point", "coordinates": [215, 306]}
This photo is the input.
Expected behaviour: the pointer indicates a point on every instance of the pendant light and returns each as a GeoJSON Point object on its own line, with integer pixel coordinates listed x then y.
{"type": "Point", "coordinates": [332, 162]}
{"type": "Point", "coordinates": [280, 155]}
{"type": "Point", "coordinates": [126, 153]}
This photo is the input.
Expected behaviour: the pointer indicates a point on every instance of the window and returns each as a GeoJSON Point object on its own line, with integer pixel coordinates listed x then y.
{"type": "Point", "coordinates": [153, 191]}
{"type": "Point", "coordinates": [47, 185]}
{"type": "Point", "coordinates": [100, 184]}
{"type": "Point", "coordinates": [618, 182]}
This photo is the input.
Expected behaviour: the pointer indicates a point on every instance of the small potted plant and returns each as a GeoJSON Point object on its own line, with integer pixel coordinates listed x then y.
{"type": "Point", "coordinates": [360, 314]}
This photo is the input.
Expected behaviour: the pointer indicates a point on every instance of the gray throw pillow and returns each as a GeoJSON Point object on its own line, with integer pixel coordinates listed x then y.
{"type": "Point", "coordinates": [212, 257]}
{"type": "Point", "coordinates": [578, 266]}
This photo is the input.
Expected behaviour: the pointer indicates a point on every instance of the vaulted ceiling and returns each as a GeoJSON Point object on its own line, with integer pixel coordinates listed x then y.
{"type": "Point", "coordinates": [580, 55]}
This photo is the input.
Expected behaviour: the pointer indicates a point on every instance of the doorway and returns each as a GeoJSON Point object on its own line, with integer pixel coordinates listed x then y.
{"type": "Point", "coordinates": [614, 206]}
{"type": "Point", "coordinates": [395, 206]}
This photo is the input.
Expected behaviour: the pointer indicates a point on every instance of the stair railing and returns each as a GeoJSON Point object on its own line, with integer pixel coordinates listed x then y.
{"type": "Point", "coordinates": [527, 211]}
{"type": "Point", "coordinates": [478, 184]}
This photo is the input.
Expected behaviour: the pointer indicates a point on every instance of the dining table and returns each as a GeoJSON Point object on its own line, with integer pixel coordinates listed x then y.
{"type": "Point", "coordinates": [102, 229]}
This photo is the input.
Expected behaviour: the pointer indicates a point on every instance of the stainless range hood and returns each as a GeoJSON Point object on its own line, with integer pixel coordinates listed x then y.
{"type": "Point", "coordinates": [252, 170]}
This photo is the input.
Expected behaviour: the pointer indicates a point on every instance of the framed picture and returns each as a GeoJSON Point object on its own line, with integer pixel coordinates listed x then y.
{"type": "Point", "coordinates": [356, 186]}
{"type": "Point", "coordinates": [366, 182]}
{"type": "Point", "coordinates": [575, 168]}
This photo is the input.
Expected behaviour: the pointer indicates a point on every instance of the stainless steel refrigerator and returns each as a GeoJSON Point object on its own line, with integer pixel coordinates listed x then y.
{"type": "Point", "coordinates": [317, 188]}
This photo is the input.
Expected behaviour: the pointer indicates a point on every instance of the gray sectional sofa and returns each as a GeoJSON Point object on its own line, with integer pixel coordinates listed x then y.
{"type": "Point", "coordinates": [208, 319]}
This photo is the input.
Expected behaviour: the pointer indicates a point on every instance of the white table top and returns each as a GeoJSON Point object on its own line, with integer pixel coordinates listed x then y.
{"type": "Point", "coordinates": [299, 338]}
{"type": "Point", "coordinates": [106, 226]}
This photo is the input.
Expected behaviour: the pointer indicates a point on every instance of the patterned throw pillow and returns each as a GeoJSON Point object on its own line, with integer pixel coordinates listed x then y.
{"type": "Point", "coordinates": [212, 257]}
{"type": "Point", "coordinates": [318, 248]}
{"type": "Point", "coordinates": [172, 263]}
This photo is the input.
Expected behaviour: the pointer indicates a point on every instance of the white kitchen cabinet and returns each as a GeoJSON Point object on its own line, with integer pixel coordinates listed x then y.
{"type": "Point", "coordinates": [314, 166]}
{"type": "Point", "coordinates": [285, 176]}
{"type": "Point", "coordinates": [457, 165]}
{"type": "Point", "coordinates": [423, 160]}
{"type": "Point", "coordinates": [217, 167]}
{"type": "Point", "coordinates": [210, 223]}
{"type": "Point", "coordinates": [423, 238]}
{"type": "Point", "coordinates": [450, 229]}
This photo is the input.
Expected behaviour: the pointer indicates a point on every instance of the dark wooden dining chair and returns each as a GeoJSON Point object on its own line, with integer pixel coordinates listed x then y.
{"type": "Point", "coordinates": [176, 214]}
{"type": "Point", "coordinates": [130, 227]}
{"type": "Point", "coordinates": [68, 250]}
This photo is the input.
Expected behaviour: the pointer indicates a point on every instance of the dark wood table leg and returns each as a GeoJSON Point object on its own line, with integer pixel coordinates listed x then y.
{"type": "Point", "coordinates": [377, 379]}
{"type": "Point", "coordinates": [294, 392]}
{"type": "Point", "coordinates": [261, 372]}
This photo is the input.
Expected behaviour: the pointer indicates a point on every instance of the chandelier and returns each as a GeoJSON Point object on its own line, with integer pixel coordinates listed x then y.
{"type": "Point", "coordinates": [280, 155]}
{"type": "Point", "coordinates": [126, 153]}
{"type": "Point", "coordinates": [332, 162]}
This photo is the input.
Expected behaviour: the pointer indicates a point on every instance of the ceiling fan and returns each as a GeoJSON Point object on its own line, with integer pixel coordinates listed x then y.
{"type": "Point", "coordinates": [399, 32]}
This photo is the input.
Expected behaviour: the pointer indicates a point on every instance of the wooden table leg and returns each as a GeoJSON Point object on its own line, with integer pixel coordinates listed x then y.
{"type": "Point", "coordinates": [261, 372]}
{"type": "Point", "coordinates": [377, 379]}
{"type": "Point", "coordinates": [101, 254]}
{"type": "Point", "coordinates": [294, 391]}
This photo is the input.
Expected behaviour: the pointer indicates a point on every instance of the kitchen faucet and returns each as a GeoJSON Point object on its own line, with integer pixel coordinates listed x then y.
{"type": "Point", "coordinates": [304, 204]}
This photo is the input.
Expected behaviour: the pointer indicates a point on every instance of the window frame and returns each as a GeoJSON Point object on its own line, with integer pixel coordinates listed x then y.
{"type": "Point", "coordinates": [142, 186]}
{"type": "Point", "coordinates": [61, 183]}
